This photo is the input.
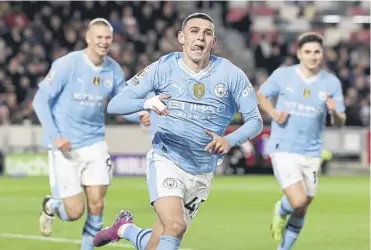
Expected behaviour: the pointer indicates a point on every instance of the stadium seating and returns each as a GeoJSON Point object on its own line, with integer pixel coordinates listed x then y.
{"type": "Point", "coordinates": [257, 36]}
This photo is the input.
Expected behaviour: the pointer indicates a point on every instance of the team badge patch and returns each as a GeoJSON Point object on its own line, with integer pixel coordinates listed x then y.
{"type": "Point", "coordinates": [96, 81]}
{"type": "Point", "coordinates": [108, 83]}
{"type": "Point", "coordinates": [306, 93]}
{"type": "Point", "coordinates": [322, 96]}
{"type": "Point", "coordinates": [199, 90]}
{"type": "Point", "coordinates": [220, 90]}
{"type": "Point", "coordinates": [170, 183]}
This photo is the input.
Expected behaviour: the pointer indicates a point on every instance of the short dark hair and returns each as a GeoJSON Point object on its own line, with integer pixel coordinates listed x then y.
{"type": "Point", "coordinates": [310, 37]}
{"type": "Point", "coordinates": [197, 15]}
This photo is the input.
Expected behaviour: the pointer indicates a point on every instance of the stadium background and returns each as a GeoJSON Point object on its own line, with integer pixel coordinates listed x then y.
{"type": "Point", "coordinates": [256, 36]}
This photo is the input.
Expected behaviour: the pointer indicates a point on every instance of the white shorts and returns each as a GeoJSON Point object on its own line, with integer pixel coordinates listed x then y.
{"type": "Point", "coordinates": [87, 166]}
{"type": "Point", "coordinates": [164, 178]}
{"type": "Point", "coordinates": [291, 168]}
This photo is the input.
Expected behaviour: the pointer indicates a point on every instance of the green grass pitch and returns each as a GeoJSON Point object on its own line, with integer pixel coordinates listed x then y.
{"type": "Point", "coordinates": [235, 217]}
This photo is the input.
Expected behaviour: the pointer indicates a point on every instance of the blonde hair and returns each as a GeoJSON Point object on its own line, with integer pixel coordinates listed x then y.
{"type": "Point", "coordinates": [100, 21]}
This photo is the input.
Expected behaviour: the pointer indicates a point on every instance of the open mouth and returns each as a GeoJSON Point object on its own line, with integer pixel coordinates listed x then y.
{"type": "Point", "coordinates": [198, 48]}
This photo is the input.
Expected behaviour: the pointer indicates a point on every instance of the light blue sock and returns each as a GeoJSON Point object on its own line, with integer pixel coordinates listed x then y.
{"type": "Point", "coordinates": [286, 208]}
{"type": "Point", "coordinates": [137, 236]}
{"type": "Point", "coordinates": [93, 225]}
{"type": "Point", "coordinates": [168, 242]}
{"type": "Point", "coordinates": [293, 228]}
{"type": "Point", "coordinates": [56, 206]}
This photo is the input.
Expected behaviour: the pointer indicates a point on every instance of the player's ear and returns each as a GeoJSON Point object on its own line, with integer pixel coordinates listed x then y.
{"type": "Point", "coordinates": [181, 37]}
{"type": "Point", "coordinates": [87, 37]}
{"type": "Point", "coordinates": [214, 42]}
{"type": "Point", "coordinates": [298, 54]}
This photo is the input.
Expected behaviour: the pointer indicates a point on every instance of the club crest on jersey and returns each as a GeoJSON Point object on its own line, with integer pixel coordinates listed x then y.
{"type": "Point", "coordinates": [96, 81]}
{"type": "Point", "coordinates": [199, 90]}
{"type": "Point", "coordinates": [322, 96]}
{"type": "Point", "coordinates": [306, 93]}
{"type": "Point", "coordinates": [108, 83]}
{"type": "Point", "coordinates": [220, 90]}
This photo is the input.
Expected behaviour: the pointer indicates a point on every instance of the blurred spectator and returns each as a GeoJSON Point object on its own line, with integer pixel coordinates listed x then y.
{"type": "Point", "coordinates": [257, 36]}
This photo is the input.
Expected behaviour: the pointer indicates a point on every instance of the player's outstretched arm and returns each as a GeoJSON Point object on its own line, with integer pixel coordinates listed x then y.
{"type": "Point", "coordinates": [41, 105]}
{"type": "Point", "coordinates": [266, 105]}
{"type": "Point", "coordinates": [335, 104]}
{"type": "Point", "coordinates": [131, 99]}
{"type": "Point", "coordinates": [142, 117]}
{"type": "Point", "coordinates": [244, 96]}
{"type": "Point", "coordinates": [252, 127]}
{"type": "Point", "coordinates": [337, 118]}
{"type": "Point", "coordinates": [48, 90]}
{"type": "Point", "coordinates": [125, 103]}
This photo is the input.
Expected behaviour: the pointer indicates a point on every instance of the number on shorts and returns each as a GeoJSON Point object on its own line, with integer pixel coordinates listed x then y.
{"type": "Point", "coordinates": [314, 177]}
{"type": "Point", "coordinates": [192, 206]}
{"type": "Point", "coordinates": [109, 163]}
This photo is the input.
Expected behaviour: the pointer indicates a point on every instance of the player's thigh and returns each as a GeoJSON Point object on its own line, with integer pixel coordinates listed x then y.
{"type": "Point", "coordinates": [166, 190]}
{"type": "Point", "coordinates": [65, 182]}
{"type": "Point", "coordinates": [198, 189]}
{"type": "Point", "coordinates": [287, 169]}
{"type": "Point", "coordinates": [64, 175]}
{"type": "Point", "coordinates": [95, 198]}
{"type": "Point", "coordinates": [98, 169]}
{"type": "Point", "coordinates": [171, 212]}
{"type": "Point", "coordinates": [310, 168]}
{"type": "Point", "coordinates": [164, 178]}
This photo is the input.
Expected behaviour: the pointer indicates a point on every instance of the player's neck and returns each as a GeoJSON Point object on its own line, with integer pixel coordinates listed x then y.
{"type": "Point", "coordinates": [308, 72]}
{"type": "Point", "coordinates": [196, 67]}
{"type": "Point", "coordinates": [94, 58]}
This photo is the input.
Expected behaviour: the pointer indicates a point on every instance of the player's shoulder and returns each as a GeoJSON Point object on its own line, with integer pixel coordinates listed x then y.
{"type": "Point", "coordinates": [169, 60]}
{"type": "Point", "coordinates": [113, 64]}
{"type": "Point", "coordinates": [69, 60]}
{"type": "Point", "coordinates": [229, 68]}
{"type": "Point", "coordinates": [329, 78]}
{"type": "Point", "coordinates": [164, 65]}
{"type": "Point", "coordinates": [285, 70]}
{"type": "Point", "coordinates": [224, 63]}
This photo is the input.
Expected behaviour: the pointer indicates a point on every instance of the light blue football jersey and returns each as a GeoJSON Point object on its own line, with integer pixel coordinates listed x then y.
{"type": "Point", "coordinates": [71, 100]}
{"type": "Point", "coordinates": [199, 101]}
{"type": "Point", "coordinates": [305, 101]}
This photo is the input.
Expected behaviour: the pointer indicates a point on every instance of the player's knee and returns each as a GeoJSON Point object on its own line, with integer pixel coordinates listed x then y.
{"type": "Point", "coordinates": [175, 227]}
{"type": "Point", "coordinates": [299, 203]}
{"type": "Point", "coordinates": [75, 211]}
{"type": "Point", "coordinates": [300, 212]}
{"type": "Point", "coordinates": [96, 206]}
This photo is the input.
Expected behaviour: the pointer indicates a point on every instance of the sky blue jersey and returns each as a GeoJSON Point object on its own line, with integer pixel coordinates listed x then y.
{"type": "Point", "coordinates": [305, 101]}
{"type": "Point", "coordinates": [71, 100]}
{"type": "Point", "coordinates": [199, 101]}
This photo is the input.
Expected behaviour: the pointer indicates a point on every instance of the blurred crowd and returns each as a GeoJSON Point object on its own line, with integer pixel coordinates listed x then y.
{"type": "Point", "coordinates": [34, 34]}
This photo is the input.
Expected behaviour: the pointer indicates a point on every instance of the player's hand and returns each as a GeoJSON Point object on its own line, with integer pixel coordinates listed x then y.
{"type": "Point", "coordinates": [331, 104]}
{"type": "Point", "coordinates": [281, 117]}
{"type": "Point", "coordinates": [63, 144]}
{"type": "Point", "coordinates": [155, 103]}
{"type": "Point", "coordinates": [145, 118]}
{"type": "Point", "coordinates": [219, 145]}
